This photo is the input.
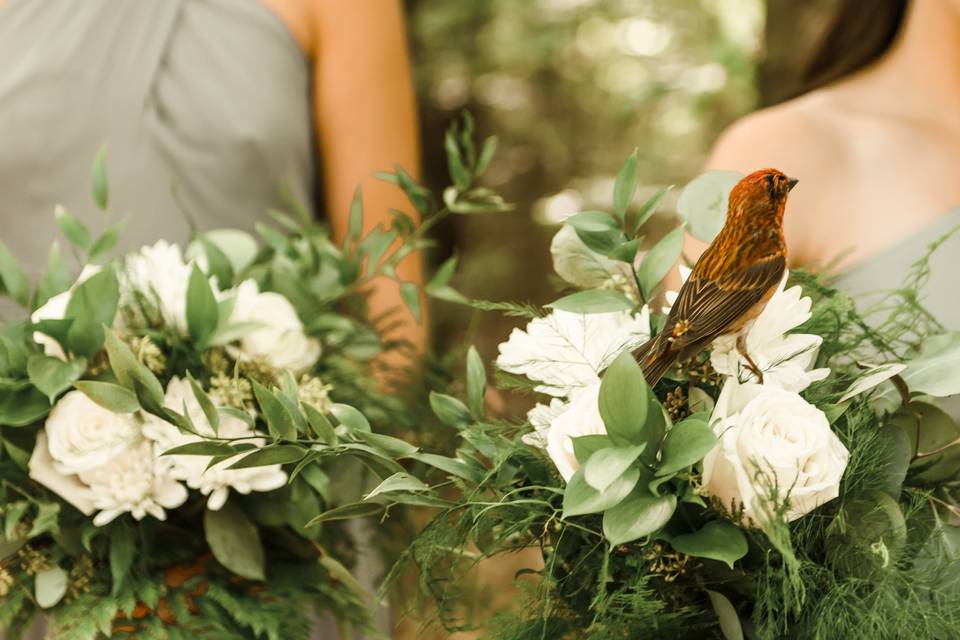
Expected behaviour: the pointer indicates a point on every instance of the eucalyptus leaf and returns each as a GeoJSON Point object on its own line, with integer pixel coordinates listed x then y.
{"type": "Point", "coordinates": [703, 203]}
{"type": "Point", "coordinates": [234, 541]}
{"type": "Point", "coordinates": [586, 446]}
{"type": "Point", "coordinates": [580, 498]}
{"type": "Point", "coordinates": [608, 464]}
{"type": "Point", "coordinates": [639, 514]}
{"type": "Point", "coordinates": [624, 400]}
{"type": "Point", "coordinates": [685, 444]}
{"type": "Point", "coordinates": [716, 540]}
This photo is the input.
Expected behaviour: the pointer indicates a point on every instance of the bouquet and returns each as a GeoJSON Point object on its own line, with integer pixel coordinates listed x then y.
{"type": "Point", "coordinates": [809, 496]}
{"type": "Point", "coordinates": [146, 481]}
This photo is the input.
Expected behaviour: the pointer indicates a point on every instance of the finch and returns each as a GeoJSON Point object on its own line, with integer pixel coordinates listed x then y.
{"type": "Point", "coordinates": [733, 279]}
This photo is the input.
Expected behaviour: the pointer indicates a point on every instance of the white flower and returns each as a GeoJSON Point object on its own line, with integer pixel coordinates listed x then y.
{"type": "Point", "coordinates": [567, 351]}
{"type": "Point", "coordinates": [155, 280]}
{"type": "Point", "coordinates": [581, 418]}
{"type": "Point", "coordinates": [68, 487]}
{"type": "Point", "coordinates": [216, 481]}
{"type": "Point", "coordinates": [54, 309]}
{"type": "Point", "coordinates": [785, 359]}
{"type": "Point", "coordinates": [581, 266]}
{"type": "Point", "coordinates": [83, 435]}
{"type": "Point", "coordinates": [137, 482]}
{"type": "Point", "coordinates": [280, 341]}
{"type": "Point", "coordinates": [772, 441]}
{"type": "Point", "coordinates": [671, 296]}
{"type": "Point", "coordinates": [540, 418]}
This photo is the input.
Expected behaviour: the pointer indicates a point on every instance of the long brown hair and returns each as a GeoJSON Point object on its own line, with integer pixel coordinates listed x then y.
{"type": "Point", "coordinates": [860, 33]}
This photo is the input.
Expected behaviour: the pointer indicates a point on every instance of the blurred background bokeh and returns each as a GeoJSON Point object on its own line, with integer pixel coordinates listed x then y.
{"type": "Point", "coordinates": [571, 87]}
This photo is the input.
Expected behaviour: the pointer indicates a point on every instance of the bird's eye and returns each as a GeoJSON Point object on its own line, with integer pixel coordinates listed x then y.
{"type": "Point", "coordinates": [772, 185]}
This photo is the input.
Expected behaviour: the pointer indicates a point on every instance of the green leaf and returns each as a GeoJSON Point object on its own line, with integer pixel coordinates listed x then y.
{"type": "Point", "coordinates": [874, 376]}
{"type": "Point", "coordinates": [398, 482]}
{"type": "Point", "coordinates": [658, 261]}
{"type": "Point", "coordinates": [202, 448]}
{"type": "Point", "coordinates": [92, 306]}
{"type": "Point", "coordinates": [608, 464]}
{"type": "Point", "coordinates": [202, 312]}
{"type": "Point", "coordinates": [320, 424]}
{"type": "Point", "coordinates": [348, 512]}
{"type": "Point", "coordinates": [72, 228]}
{"type": "Point", "coordinates": [703, 203]}
{"type": "Point", "coordinates": [57, 278]}
{"type": "Point", "coordinates": [717, 540]}
{"type": "Point", "coordinates": [451, 411]}
{"type": "Point", "coordinates": [649, 208]}
{"type": "Point", "coordinates": [476, 382]}
{"type": "Point", "coordinates": [730, 625]}
{"type": "Point", "coordinates": [593, 301]}
{"type": "Point", "coordinates": [410, 293]}
{"type": "Point", "coordinates": [273, 454]}
{"type": "Point", "coordinates": [350, 417]}
{"type": "Point", "coordinates": [459, 174]}
{"type": "Point", "coordinates": [586, 446]}
{"type": "Point", "coordinates": [624, 401]}
{"type": "Point", "coordinates": [206, 405]}
{"type": "Point", "coordinates": [355, 223]}
{"type": "Point", "coordinates": [22, 407]}
{"type": "Point", "coordinates": [53, 375]}
{"type": "Point", "coordinates": [104, 244]}
{"type": "Point", "coordinates": [239, 248]}
{"type": "Point", "coordinates": [110, 396]}
{"type": "Point", "coordinates": [234, 541]}
{"type": "Point", "coordinates": [388, 444]}
{"type": "Point", "coordinates": [279, 421]}
{"type": "Point", "coordinates": [13, 278]}
{"type": "Point", "coordinates": [626, 252]}
{"type": "Point", "coordinates": [122, 552]}
{"type": "Point", "coordinates": [454, 466]}
{"type": "Point", "coordinates": [443, 275]}
{"type": "Point", "coordinates": [580, 498]}
{"type": "Point", "coordinates": [49, 586]}
{"type": "Point", "coordinates": [131, 373]}
{"type": "Point", "coordinates": [98, 179]}
{"type": "Point", "coordinates": [625, 185]}
{"type": "Point", "coordinates": [685, 444]}
{"type": "Point", "coordinates": [639, 514]}
{"type": "Point", "coordinates": [592, 222]}
{"type": "Point", "coordinates": [487, 152]}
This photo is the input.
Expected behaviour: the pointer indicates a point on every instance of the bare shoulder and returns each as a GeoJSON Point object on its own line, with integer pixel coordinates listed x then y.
{"type": "Point", "coordinates": [793, 137]}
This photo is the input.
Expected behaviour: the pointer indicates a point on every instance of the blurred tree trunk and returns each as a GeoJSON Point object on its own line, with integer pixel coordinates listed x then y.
{"type": "Point", "coordinates": [793, 32]}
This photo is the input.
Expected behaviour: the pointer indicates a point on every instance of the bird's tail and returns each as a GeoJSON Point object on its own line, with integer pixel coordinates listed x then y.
{"type": "Point", "coordinates": [653, 360]}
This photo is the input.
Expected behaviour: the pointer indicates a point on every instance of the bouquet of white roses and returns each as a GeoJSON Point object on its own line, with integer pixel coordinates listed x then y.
{"type": "Point", "coordinates": [811, 501]}
{"type": "Point", "coordinates": [146, 489]}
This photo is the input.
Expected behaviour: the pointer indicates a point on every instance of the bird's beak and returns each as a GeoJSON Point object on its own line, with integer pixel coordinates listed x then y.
{"type": "Point", "coordinates": [791, 183]}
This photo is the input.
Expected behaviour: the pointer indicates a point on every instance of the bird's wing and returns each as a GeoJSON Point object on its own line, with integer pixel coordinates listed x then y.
{"type": "Point", "coordinates": [708, 308]}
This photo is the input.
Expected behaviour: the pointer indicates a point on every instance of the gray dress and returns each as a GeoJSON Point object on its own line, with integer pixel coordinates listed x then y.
{"type": "Point", "coordinates": [207, 98]}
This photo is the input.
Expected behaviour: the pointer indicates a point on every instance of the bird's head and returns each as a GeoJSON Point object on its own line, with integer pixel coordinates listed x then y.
{"type": "Point", "coordinates": [761, 192]}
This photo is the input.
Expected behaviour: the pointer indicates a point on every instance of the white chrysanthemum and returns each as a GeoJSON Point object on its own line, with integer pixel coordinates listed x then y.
{"type": "Point", "coordinates": [137, 482]}
{"type": "Point", "coordinates": [54, 309]}
{"type": "Point", "coordinates": [567, 351]}
{"type": "Point", "coordinates": [216, 481]}
{"type": "Point", "coordinates": [155, 279]}
{"type": "Point", "coordinates": [785, 358]}
{"type": "Point", "coordinates": [540, 418]}
{"type": "Point", "coordinates": [281, 341]}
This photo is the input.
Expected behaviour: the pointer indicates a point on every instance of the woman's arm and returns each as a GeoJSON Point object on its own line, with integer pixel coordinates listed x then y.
{"type": "Point", "coordinates": [366, 121]}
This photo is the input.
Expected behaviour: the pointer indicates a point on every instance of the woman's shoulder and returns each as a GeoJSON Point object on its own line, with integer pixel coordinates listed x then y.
{"type": "Point", "coordinates": [793, 136]}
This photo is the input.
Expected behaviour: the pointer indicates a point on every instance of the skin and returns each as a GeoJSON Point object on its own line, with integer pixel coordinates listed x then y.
{"type": "Point", "coordinates": [365, 118]}
{"type": "Point", "coordinates": [876, 153]}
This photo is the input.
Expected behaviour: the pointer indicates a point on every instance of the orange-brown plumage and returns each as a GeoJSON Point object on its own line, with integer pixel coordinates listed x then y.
{"type": "Point", "coordinates": [733, 279]}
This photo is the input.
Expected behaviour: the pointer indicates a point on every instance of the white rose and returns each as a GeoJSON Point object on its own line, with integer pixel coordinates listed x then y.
{"type": "Point", "coordinates": [138, 482]}
{"type": "Point", "coordinates": [155, 280]}
{"type": "Point", "coordinates": [83, 435]}
{"type": "Point", "coordinates": [68, 487]}
{"type": "Point", "coordinates": [54, 309]}
{"type": "Point", "coordinates": [785, 359]}
{"type": "Point", "coordinates": [581, 418]}
{"type": "Point", "coordinates": [281, 341]}
{"type": "Point", "coordinates": [216, 482]}
{"type": "Point", "coordinates": [567, 351]}
{"type": "Point", "coordinates": [771, 441]}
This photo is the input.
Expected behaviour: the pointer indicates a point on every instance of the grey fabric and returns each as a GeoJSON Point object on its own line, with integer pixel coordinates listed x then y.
{"type": "Point", "coordinates": [210, 97]}
{"type": "Point", "coordinates": [868, 280]}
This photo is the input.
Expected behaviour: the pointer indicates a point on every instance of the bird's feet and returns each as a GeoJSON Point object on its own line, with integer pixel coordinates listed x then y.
{"type": "Point", "coordinates": [751, 365]}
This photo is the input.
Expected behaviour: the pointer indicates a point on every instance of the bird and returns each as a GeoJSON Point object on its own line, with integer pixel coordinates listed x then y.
{"type": "Point", "coordinates": [732, 281]}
